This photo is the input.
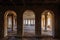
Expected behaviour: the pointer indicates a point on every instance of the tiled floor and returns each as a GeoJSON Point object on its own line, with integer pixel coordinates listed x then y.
{"type": "Point", "coordinates": [32, 38]}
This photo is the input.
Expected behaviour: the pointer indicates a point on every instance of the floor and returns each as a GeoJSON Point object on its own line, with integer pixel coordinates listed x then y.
{"type": "Point", "coordinates": [28, 33]}
{"type": "Point", "coordinates": [28, 38]}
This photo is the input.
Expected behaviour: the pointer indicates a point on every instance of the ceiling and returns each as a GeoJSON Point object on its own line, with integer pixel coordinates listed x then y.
{"type": "Point", "coordinates": [28, 1]}
{"type": "Point", "coordinates": [28, 14]}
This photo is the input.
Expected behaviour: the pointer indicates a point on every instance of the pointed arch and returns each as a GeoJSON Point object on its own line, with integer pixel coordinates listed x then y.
{"type": "Point", "coordinates": [6, 20]}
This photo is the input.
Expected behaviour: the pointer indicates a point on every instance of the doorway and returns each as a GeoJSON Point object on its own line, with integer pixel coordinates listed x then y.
{"type": "Point", "coordinates": [28, 23]}
{"type": "Point", "coordinates": [10, 23]}
{"type": "Point", "coordinates": [47, 23]}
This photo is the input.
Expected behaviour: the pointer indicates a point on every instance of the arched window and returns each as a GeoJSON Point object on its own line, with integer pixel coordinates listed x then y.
{"type": "Point", "coordinates": [28, 23]}
{"type": "Point", "coordinates": [10, 23]}
{"type": "Point", "coordinates": [47, 23]}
